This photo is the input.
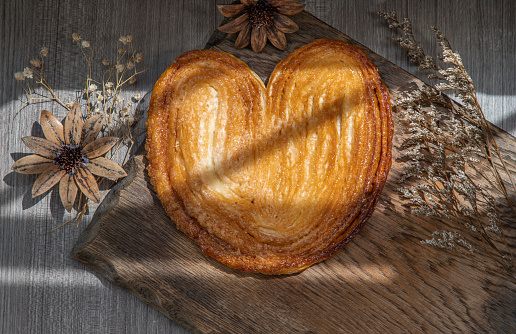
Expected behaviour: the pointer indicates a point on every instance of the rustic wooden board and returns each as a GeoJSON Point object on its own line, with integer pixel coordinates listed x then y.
{"type": "Point", "coordinates": [383, 281]}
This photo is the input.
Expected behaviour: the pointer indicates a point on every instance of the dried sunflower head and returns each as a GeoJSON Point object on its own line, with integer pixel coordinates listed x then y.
{"type": "Point", "coordinates": [259, 20]}
{"type": "Point", "coordinates": [70, 155]}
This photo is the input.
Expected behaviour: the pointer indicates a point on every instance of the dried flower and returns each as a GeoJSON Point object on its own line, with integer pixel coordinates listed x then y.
{"type": "Point", "coordinates": [259, 20]}
{"type": "Point", "coordinates": [44, 51]}
{"type": "Point", "coordinates": [92, 88]}
{"type": "Point", "coordinates": [138, 57]}
{"type": "Point", "coordinates": [119, 67]}
{"type": "Point", "coordinates": [454, 165]}
{"type": "Point", "coordinates": [126, 39]}
{"type": "Point", "coordinates": [35, 62]}
{"type": "Point", "coordinates": [28, 73]}
{"type": "Point", "coordinates": [105, 62]}
{"type": "Point", "coordinates": [85, 44]}
{"type": "Point", "coordinates": [76, 37]}
{"type": "Point", "coordinates": [19, 76]}
{"type": "Point", "coordinates": [69, 155]}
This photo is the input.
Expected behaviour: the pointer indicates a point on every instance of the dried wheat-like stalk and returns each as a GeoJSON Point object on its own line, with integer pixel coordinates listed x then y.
{"type": "Point", "coordinates": [453, 158]}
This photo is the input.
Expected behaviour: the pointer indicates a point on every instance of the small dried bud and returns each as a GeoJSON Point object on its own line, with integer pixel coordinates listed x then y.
{"type": "Point", "coordinates": [105, 62]}
{"type": "Point", "coordinates": [119, 67]}
{"type": "Point", "coordinates": [44, 51]}
{"type": "Point", "coordinates": [138, 57]}
{"type": "Point", "coordinates": [76, 37]}
{"type": "Point", "coordinates": [92, 88]}
{"type": "Point", "coordinates": [130, 65]}
{"type": "Point", "coordinates": [132, 80]}
{"type": "Point", "coordinates": [28, 73]}
{"type": "Point", "coordinates": [19, 76]}
{"type": "Point", "coordinates": [35, 63]}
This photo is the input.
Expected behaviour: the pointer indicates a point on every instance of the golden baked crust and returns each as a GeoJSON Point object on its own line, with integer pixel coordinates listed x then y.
{"type": "Point", "coordinates": [274, 179]}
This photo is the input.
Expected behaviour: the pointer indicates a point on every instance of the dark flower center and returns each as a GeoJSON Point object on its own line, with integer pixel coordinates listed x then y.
{"type": "Point", "coordinates": [261, 14]}
{"type": "Point", "coordinates": [69, 157]}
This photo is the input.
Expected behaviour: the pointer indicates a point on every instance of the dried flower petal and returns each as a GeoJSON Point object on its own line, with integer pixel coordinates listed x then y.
{"type": "Point", "coordinates": [106, 168]}
{"type": "Point", "coordinates": [87, 183]}
{"type": "Point", "coordinates": [47, 180]}
{"type": "Point", "coordinates": [73, 125]}
{"type": "Point", "coordinates": [31, 164]}
{"type": "Point", "coordinates": [52, 127]}
{"type": "Point", "coordinates": [91, 129]}
{"type": "Point", "coordinates": [42, 146]}
{"type": "Point", "coordinates": [244, 37]}
{"type": "Point", "coordinates": [230, 10]}
{"type": "Point", "coordinates": [235, 25]}
{"type": "Point", "coordinates": [284, 24]}
{"type": "Point", "coordinates": [99, 147]}
{"type": "Point", "coordinates": [67, 191]}
{"type": "Point", "coordinates": [276, 37]}
{"type": "Point", "coordinates": [287, 9]}
{"type": "Point", "coordinates": [249, 2]}
{"type": "Point", "coordinates": [258, 38]}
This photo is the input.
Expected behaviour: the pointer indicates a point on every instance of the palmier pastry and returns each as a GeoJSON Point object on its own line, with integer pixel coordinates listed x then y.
{"type": "Point", "coordinates": [275, 179]}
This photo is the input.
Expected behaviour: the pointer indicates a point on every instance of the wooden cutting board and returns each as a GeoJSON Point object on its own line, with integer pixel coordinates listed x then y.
{"type": "Point", "coordinates": [384, 280]}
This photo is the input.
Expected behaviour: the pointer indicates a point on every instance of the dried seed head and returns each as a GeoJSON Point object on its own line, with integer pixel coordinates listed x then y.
{"type": "Point", "coordinates": [261, 14]}
{"type": "Point", "coordinates": [69, 158]}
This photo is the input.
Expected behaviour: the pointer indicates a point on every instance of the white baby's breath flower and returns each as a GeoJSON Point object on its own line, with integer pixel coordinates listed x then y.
{"type": "Point", "coordinates": [108, 84]}
{"type": "Point", "coordinates": [137, 97]}
{"type": "Point", "coordinates": [28, 73]}
{"type": "Point", "coordinates": [130, 65]}
{"type": "Point", "coordinates": [19, 76]}
{"type": "Point", "coordinates": [119, 67]}
{"type": "Point", "coordinates": [100, 98]}
{"type": "Point", "coordinates": [132, 80]}
{"type": "Point", "coordinates": [85, 44]}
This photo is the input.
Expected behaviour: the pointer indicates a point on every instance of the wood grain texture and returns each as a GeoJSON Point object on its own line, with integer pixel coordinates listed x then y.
{"type": "Point", "coordinates": [383, 281]}
{"type": "Point", "coordinates": [43, 290]}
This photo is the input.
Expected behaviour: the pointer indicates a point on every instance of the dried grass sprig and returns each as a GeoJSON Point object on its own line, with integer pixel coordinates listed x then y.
{"type": "Point", "coordinates": [453, 160]}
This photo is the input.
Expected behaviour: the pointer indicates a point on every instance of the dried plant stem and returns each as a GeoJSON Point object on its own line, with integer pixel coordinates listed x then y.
{"type": "Point", "coordinates": [452, 161]}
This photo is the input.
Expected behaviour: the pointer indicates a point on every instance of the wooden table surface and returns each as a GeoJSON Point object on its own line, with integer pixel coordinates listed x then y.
{"type": "Point", "coordinates": [42, 289]}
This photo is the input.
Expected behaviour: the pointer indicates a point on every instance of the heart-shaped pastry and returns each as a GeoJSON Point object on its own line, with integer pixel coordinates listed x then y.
{"type": "Point", "coordinates": [274, 179]}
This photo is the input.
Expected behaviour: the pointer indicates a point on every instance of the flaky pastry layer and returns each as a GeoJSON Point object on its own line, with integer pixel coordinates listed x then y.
{"type": "Point", "coordinates": [270, 179]}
